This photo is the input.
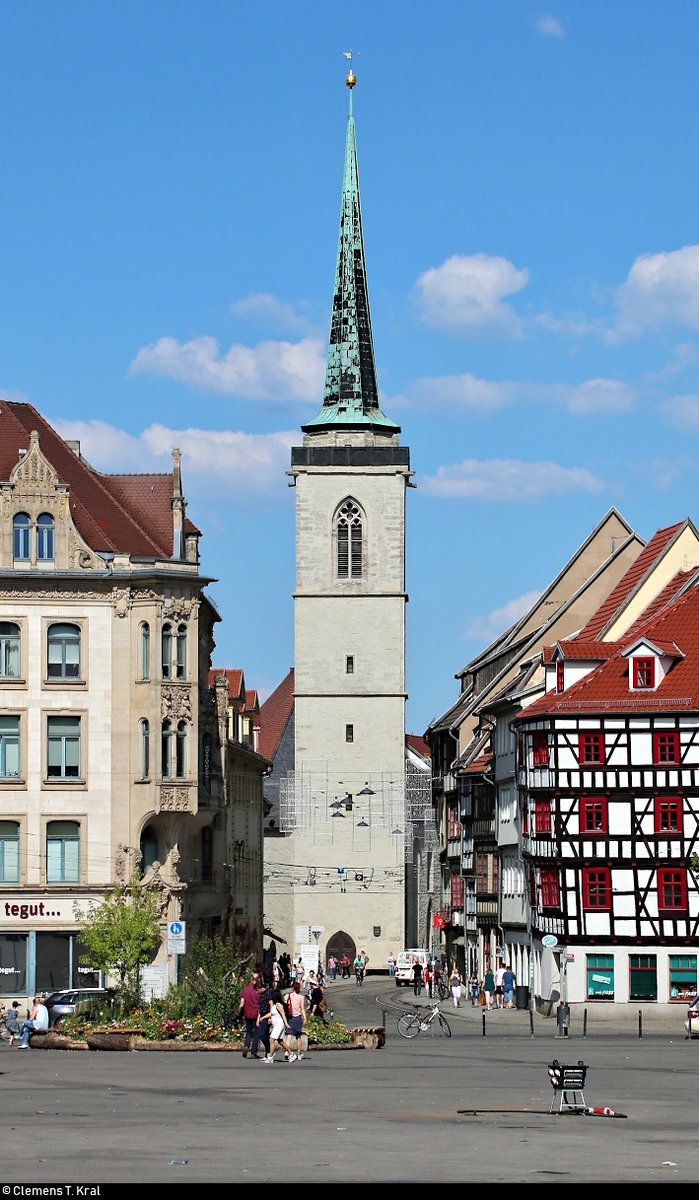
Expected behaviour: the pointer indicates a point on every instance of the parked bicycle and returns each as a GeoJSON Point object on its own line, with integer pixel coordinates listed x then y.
{"type": "Point", "coordinates": [410, 1024]}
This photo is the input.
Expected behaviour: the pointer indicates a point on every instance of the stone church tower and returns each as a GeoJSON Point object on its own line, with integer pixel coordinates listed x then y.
{"type": "Point", "coordinates": [338, 876]}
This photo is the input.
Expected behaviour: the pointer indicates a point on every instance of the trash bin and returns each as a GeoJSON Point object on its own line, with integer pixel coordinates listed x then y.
{"type": "Point", "coordinates": [521, 996]}
{"type": "Point", "coordinates": [563, 1019]}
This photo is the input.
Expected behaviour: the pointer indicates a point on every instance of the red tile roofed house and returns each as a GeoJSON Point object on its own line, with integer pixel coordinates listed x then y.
{"type": "Point", "coordinates": [106, 639]}
{"type": "Point", "coordinates": [608, 770]}
{"type": "Point", "coordinates": [503, 677]}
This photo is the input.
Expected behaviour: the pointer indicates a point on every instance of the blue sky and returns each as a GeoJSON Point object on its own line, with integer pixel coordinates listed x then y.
{"type": "Point", "coordinates": [169, 211]}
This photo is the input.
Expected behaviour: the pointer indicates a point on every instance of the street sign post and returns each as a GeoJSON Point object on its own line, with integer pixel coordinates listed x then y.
{"type": "Point", "coordinates": [176, 939]}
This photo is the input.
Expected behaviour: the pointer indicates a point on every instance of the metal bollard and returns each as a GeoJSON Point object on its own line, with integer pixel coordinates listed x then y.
{"type": "Point", "coordinates": [563, 1020]}
{"type": "Point", "coordinates": [585, 1023]}
{"type": "Point", "coordinates": [483, 1022]}
{"type": "Point", "coordinates": [640, 1023]}
{"type": "Point", "coordinates": [531, 1023]}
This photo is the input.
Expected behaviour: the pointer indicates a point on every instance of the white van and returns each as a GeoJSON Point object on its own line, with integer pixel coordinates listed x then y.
{"type": "Point", "coordinates": [404, 965]}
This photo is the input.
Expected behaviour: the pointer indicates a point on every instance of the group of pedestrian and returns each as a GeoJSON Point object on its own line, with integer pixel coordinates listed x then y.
{"type": "Point", "coordinates": [498, 987]}
{"type": "Point", "coordinates": [273, 1020]}
{"type": "Point", "coordinates": [37, 1021]}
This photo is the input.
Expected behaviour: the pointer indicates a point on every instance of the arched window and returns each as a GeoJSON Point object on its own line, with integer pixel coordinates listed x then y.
{"type": "Point", "coordinates": [62, 852]}
{"type": "Point", "coordinates": [181, 750]}
{"type": "Point", "coordinates": [166, 750]}
{"type": "Point", "coordinates": [44, 536]}
{"type": "Point", "coordinates": [63, 652]}
{"type": "Point", "coordinates": [9, 852]}
{"type": "Point", "coordinates": [166, 651]}
{"type": "Point", "coordinates": [206, 854]}
{"type": "Point", "coordinates": [145, 650]}
{"type": "Point", "coordinates": [149, 848]}
{"type": "Point", "coordinates": [181, 651]}
{"type": "Point", "coordinates": [9, 650]}
{"type": "Point", "coordinates": [349, 541]}
{"type": "Point", "coordinates": [20, 537]}
{"type": "Point", "coordinates": [145, 748]}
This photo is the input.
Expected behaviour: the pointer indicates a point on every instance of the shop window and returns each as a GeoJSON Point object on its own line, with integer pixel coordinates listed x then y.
{"type": "Point", "coordinates": [597, 889]}
{"type": "Point", "coordinates": [9, 852]}
{"type": "Point", "coordinates": [668, 815]}
{"type": "Point", "coordinates": [63, 748]}
{"type": "Point", "coordinates": [9, 650]}
{"type": "Point", "coordinates": [672, 890]}
{"type": "Point", "coordinates": [550, 888]}
{"type": "Point", "coordinates": [593, 814]}
{"type": "Point", "coordinates": [63, 652]}
{"type": "Point", "coordinates": [62, 852]}
{"type": "Point", "coordinates": [643, 977]}
{"type": "Point", "coordinates": [683, 977]}
{"type": "Point", "coordinates": [600, 976]}
{"type": "Point", "coordinates": [13, 964]}
{"type": "Point", "coordinates": [591, 748]}
{"type": "Point", "coordinates": [666, 748]}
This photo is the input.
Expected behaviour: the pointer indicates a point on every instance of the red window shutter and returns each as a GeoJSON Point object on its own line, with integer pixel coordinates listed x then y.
{"type": "Point", "coordinates": [560, 676]}
{"type": "Point", "coordinates": [540, 749]}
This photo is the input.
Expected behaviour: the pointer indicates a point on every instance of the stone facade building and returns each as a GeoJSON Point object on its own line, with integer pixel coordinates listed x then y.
{"type": "Point", "coordinates": [110, 739]}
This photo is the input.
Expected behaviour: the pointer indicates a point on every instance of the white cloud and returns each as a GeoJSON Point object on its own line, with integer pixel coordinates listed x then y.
{"type": "Point", "coordinates": [508, 480]}
{"type": "Point", "coordinates": [280, 371]}
{"type": "Point", "coordinates": [484, 396]}
{"type": "Point", "coordinates": [548, 26]}
{"type": "Point", "coordinates": [487, 628]}
{"type": "Point", "coordinates": [465, 295]}
{"type": "Point", "coordinates": [213, 460]}
{"type": "Point", "coordinates": [682, 411]}
{"type": "Point", "coordinates": [265, 309]}
{"type": "Point", "coordinates": [659, 288]}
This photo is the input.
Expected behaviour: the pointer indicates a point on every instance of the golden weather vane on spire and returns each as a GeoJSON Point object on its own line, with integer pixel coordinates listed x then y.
{"type": "Point", "coordinates": [350, 78]}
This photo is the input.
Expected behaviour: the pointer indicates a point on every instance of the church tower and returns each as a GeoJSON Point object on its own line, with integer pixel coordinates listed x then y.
{"type": "Point", "coordinates": [343, 807]}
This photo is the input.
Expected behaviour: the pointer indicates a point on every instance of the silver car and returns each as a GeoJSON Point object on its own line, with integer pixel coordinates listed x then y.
{"type": "Point", "coordinates": [62, 1004]}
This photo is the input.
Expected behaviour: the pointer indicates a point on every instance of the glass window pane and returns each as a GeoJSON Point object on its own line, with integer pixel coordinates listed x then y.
{"type": "Point", "coordinates": [13, 963]}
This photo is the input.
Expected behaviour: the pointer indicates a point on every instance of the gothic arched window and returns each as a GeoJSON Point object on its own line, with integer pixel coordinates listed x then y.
{"type": "Point", "coordinates": [349, 541]}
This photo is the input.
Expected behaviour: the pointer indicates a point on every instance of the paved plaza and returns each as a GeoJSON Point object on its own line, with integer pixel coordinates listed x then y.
{"type": "Point", "coordinates": [472, 1107]}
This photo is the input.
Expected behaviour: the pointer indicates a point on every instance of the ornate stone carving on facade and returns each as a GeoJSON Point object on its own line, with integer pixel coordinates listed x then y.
{"type": "Point", "coordinates": [34, 473]}
{"type": "Point", "coordinates": [144, 594]}
{"type": "Point", "coordinates": [176, 702]}
{"type": "Point", "coordinates": [175, 799]}
{"type": "Point", "coordinates": [58, 594]}
{"type": "Point", "coordinates": [126, 860]}
{"type": "Point", "coordinates": [121, 601]}
{"type": "Point", "coordinates": [179, 608]}
{"type": "Point", "coordinates": [164, 881]}
{"type": "Point", "coordinates": [79, 555]}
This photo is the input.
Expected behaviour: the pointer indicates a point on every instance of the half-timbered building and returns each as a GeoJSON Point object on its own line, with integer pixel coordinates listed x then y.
{"type": "Point", "coordinates": [608, 779]}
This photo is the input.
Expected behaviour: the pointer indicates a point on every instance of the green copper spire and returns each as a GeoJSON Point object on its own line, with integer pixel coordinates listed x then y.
{"type": "Point", "coordinates": [351, 396]}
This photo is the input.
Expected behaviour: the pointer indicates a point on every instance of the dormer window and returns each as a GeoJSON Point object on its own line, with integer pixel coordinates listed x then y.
{"type": "Point", "coordinates": [643, 670]}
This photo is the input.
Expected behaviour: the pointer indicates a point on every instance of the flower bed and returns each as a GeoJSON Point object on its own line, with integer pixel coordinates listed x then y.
{"type": "Point", "coordinates": [148, 1028]}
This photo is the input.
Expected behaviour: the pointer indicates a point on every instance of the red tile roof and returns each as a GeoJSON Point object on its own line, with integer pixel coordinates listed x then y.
{"type": "Point", "coordinates": [418, 744]}
{"type": "Point", "coordinates": [274, 716]}
{"type": "Point", "coordinates": [235, 678]}
{"type": "Point", "coordinates": [620, 595]}
{"type": "Point", "coordinates": [129, 514]}
{"type": "Point", "coordinates": [480, 764]}
{"type": "Point", "coordinates": [606, 687]}
{"type": "Point", "coordinates": [575, 648]}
